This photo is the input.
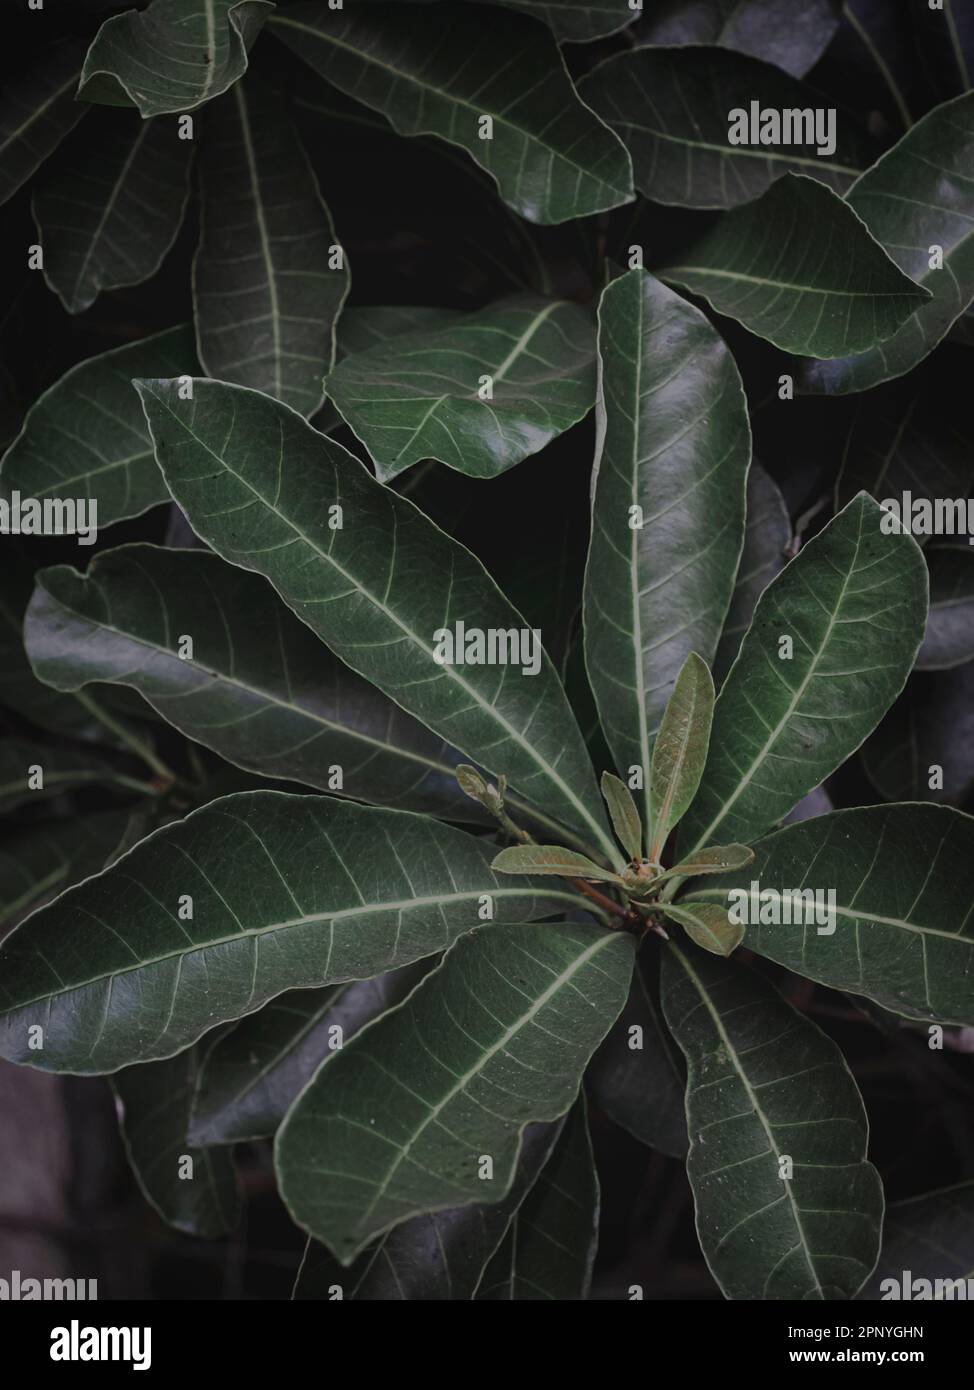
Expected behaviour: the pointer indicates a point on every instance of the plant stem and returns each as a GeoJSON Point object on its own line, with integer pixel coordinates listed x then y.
{"type": "Point", "coordinates": [142, 749]}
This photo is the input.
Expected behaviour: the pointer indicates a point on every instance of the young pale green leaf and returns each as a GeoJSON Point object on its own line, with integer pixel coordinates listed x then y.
{"type": "Point", "coordinates": [798, 267]}
{"type": "Point", "coordinates": [550, 859]}
{"type": "Point", "coordinates": [549, 1248]}
{"type": "Point", "coordinates": [949, 637]}
{"type": "Point", "coordinates": [172, 56]}
{"type": "Point", "coordinates": [928, 1238]}
{"type": "Point", "coordinates": [439, 1257]}
{"type": "Point", "coordinates": [623, 814]}
{"type": "Point", "coordinates": [830, 646]}
{"type": "Point", "coordinates": [550, 156]}
{"type": "Point", "coordinates": [638, 1076]}
{"type": "Point", "coordinates": [472, 784]}
{"type": "Point", "coordinates": [269, 278]}
{"type": "Point", "coordinates": [929, 234]}
{"type": "Point", "coordinates": [787, 1205]}
{"type": "Point", "coordinates": [507, 1024]}
{"type": "Point", "coordinates": [36, 113]}
{"type": "Point", "coordinates": [707, 925]}
{"type": "Point", "coordinates": [672, 108]}
{"type": "Point", "coordinates": [766, 534]}
{"type": "Point", "coordinates": [250, 1078]}
{"type": "Point", "coordinates": [376, 580]}
{"type": "Point", "coordinates": [285, 892]}
{"type": "Point", "coordinates": [155, 1103]}
{"type": "Point", "coordinates": [215, 652]}
{"type": "Point", "coordinates": [87, 436]}
{"type": "Point", "coordinates": [121, 183]}
{"type": "Point", "coordinates": [680, 751]}
{"type": "Point", "coordinates": [793, 38]}
{"type": "Point", "coordinates": [48, 858]}
{"type": "Point", "coordinates": [479, 394]}
{"type": "Point", "coordinates": [930, 727]}
{"type": "Point", "coordinates": [899, 928]}
{"type": "Point", "coordinates": [714, 860]}
{"type": "Point", "coordinates": [672, 453]}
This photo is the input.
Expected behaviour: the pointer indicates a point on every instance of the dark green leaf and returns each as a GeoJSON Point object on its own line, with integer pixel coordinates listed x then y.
{"type": "Point", "coordinates": [623, 814]}
{"type": "Point", "coordinates": [112, 206]}
{"type": "Point", "coordinates": [672, 454]}
{"type": "Point", "coordinates": [440, 1256]}
{"type": "Point", "coordinates": [32, 772]}
{"type": "Point", "coordinates": [927, 1238]}
{"type": "Point", "coordinates": [830, 647]}
{"type": "Point", "coordinates": [576, 20]}
{"type": "Point", "coordinates": [672, 108]}
{"type": "Point", "coordinates": [334, 891]}
{"type": "Point", "coordinates": [266, 290]}
{"type": "Point", "coordinates": [549, 1248]}
{"type": "Point", "coordinates": [193, 1189]}
{"type": "Point", "coordinates": [173, 56]}
{"type": "Point", "coordinates": [550, 156]}
{"type": "Point", "coordinates": [793, 37]}
{"type": "Point", "coordinates": [378, 590]}
{"type": "Point", "coordinates": [637, 1076]}
{"type": "Point", "coordinates": [798, 267]}
{"type": "Point", "coordinates": [901, 929]}
{"type": "Point", "coordinates": [37, 112]}
{"type": "Point", "coordinates": [251, 1077]}
{"type": "Point", "coordinates": [256, 685]}
{"type": "Point", "coordinates": [813, 1233]}
{"type": "Point", "coordinates": [933, 163]}
{"type": "Point", "coordinates": [424, 394]}
{"type": "Point", "coordinates": [87, 436]}
{"type": "Point", "coordinates": [767, 532]}
{"type": "Point", "coordinates": [949, 638]}
{"type": "Point", "coordinates": [494, 1038]}
{"type": "Point", "coordinates": [680, 751]}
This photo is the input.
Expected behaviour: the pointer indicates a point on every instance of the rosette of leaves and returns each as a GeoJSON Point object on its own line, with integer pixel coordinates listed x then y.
{"type": "Point", "coordinates": [294, 876]}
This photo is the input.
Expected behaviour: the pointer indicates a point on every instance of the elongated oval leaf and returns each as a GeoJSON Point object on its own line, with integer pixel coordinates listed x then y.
{"type": "Point", "coordinates": [550, 156]}
{"type": "Point", "coordinates": [768, 1231]}
{"type": "Point", "coordinates": [112, 207]}
{"type": "Point", "coordinates": [929, 1239]}
{"type": "Point", "coordinates": [623, 814]}
{"type": "Point", "coordinates": [36, 114]}
{"type": "Point", "coordinates": [831, 644]}
{"type": "Point", "coordinates": [286, 892]}
{"type": "Point", "coordinates": [902, 928]}
{"type": "Point", "coordinates": [87, 437]}
{"type": "Point", "coordinates": [933, 162]}
{"type": "Point", "coordinates": [792, 37]}
{"type": "Point", "coordinates": [577, 20]}
{"type": "Point", "coordinates": [496, 1037]}
{"type": "Point", "coordinates": [549, 1248]}
{"type": "Point", "coordinates": [259, 485]}
{"type": "Point", "coordinates": [798, 267]}
{"type": "Point", "coordinates": [172, 56]}
{"type": "Point", "coordinates": [549, 859]}
{"type": "Point", "coordinates": [441, 1256]}
{"type": "Point", "coordinates": [40, 863]}
{"type": "Point", "coordinates": [424, 394]}
{"type": "Point", "coordinates": [667, 507]}
{"type": "Point", "coordinates": [250, 1078]}
{"type": "Point", "coordinates": [257, 686]}
{"type": "Point", "coordinates": [766, 534]}
{"type": "Point", "coordinates": [672, 108]}
{"type": "Point", "coordinates": [680, 751]}
{"type": "Point", "coordinates": [266, 285]}
{"type": "Point", "coordinates": [155, 1101]}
